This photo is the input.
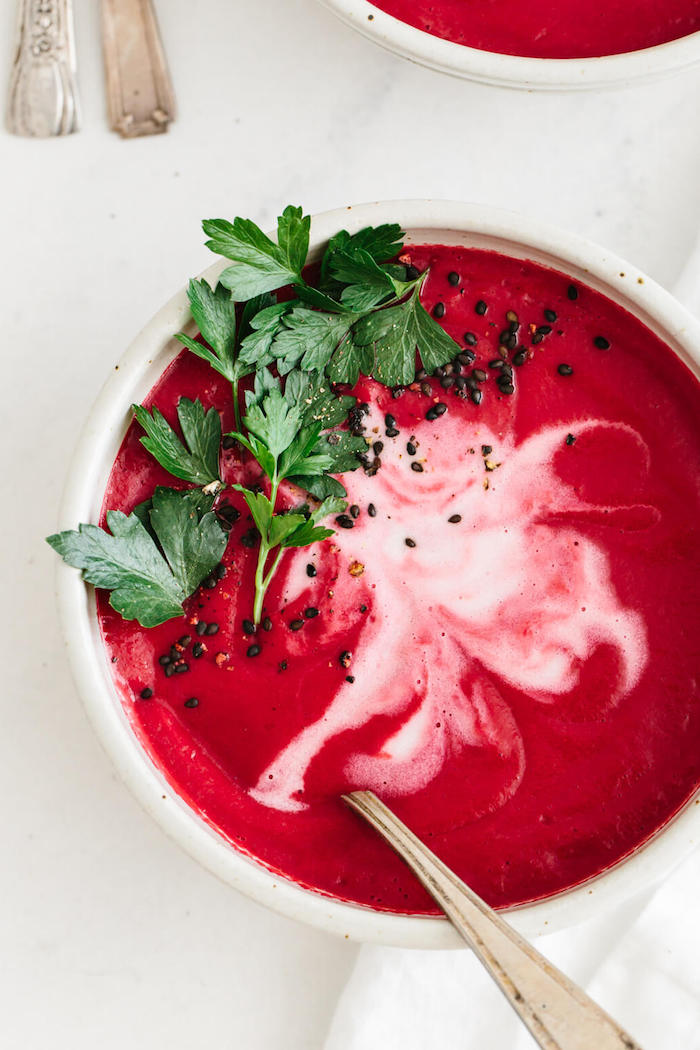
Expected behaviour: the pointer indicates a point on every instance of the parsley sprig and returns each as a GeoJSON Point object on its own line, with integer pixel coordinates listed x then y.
{"type": "Point", "coordinates": [358, 312]}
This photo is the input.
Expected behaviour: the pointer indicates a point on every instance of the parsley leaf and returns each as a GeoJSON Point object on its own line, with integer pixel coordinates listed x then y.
{"type": "Point", "coordinates": [197, 463]}
{"type": "Point", "coordinates": [308, 338]}
{"type": "Point", "coordinates": [262, 266]}
{"type": "Point", "coordinates": [149, 578]}
{"type": "Point", "coordinates": [215, 315]}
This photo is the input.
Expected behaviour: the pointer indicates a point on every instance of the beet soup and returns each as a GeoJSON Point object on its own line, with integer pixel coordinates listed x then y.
{"type": "Point", "coordinates": [551, 28]}
{"type": "Point", "coordinates": [502, 631]}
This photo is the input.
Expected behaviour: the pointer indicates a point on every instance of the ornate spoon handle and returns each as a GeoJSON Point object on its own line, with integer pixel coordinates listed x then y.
{"type": "Point", "coordinates": [557, 1012]}
{"type": "Point", "coordinates": [43, 98]}
{"type": "Point", "coordinates": [140, 96]}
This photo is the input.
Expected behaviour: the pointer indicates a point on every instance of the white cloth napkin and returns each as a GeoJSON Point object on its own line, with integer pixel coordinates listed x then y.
{"type": "Point", "coordinates": [641, 963]}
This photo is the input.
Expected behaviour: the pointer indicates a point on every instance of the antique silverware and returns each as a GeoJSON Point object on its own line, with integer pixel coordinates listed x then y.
{"type": "Point", "coordinates": [140, 98]}
{"type": "Point", "coordinates": [557, 1012]}
{"type": "Point", "coordinates": [43, 97]}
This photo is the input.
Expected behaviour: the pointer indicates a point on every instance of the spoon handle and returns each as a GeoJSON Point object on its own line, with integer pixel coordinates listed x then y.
{"type": "Point", "coordinates": [557, 1012]}
{"type": "Point", "coordinates": [43, 96]}
{"type": "Point", "coordinates": [140, 97]}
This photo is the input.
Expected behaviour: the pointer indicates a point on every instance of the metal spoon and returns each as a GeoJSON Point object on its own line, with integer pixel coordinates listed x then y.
{"type": "Point", "coordinates": [43, 95]}
{"type": "Point", "coordinates": [140, 97]}
{"type": "Point", "coordinates": [557, 1012]}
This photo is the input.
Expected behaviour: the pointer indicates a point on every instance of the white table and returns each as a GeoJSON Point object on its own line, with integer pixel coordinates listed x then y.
{"type": "Point", "coordinates": [109, 935]}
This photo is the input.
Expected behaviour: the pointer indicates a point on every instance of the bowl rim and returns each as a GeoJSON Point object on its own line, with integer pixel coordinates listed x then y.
{"type": "Point", "coordinates": [103, 431]}
{"type": "Point", "coordinates": [514, 71]}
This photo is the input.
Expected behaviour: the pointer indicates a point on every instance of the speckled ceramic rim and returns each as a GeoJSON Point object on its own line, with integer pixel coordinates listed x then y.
{"type": "Point", "coordinates": [133, 377]}
{"type": "Point", "coordinates": [488, 67]}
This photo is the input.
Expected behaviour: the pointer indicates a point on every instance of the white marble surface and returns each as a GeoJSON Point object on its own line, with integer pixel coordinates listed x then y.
{"type": "Point", "coordinates": [109, 935]}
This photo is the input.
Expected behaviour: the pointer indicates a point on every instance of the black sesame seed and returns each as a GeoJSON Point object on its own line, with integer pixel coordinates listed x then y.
{"type": "Point", "coordinates": [418, 467]}
{"type": "Point", "coordinates": [544, 329]}
{"type": "Point", "coordinates": [550, 315]}
{"type": "Point", "coordinates": [440, 408]}
{"type": "Point", "coordinates": [481, 307]}
{"type": "Point", "coordinates": [266, 624]}
{"type": "Point", "coordinates": [537, 338]}
{"type": "Point", "coordinates": [572, 292]}
{"type": "Point", "coordinates": [345, 658]}
{"type": "Point", "coordinates": [354, 511]}
{"type": "Point", "coordinates": [409, 542]}
{"type": "Point", "coordinates": [454, 519]}
{"type": "Point", "coordinates": [310, 570]}
{"type": "Point", "coordinates": [296, 625]}
{"type": "Point", "coordinates": [511, 317]}
{"type": "Point", "coordinates": [248, 627]}
{"type": "Point", "coordinates": [439, 310]}
{"type": "Point", "coordinates": [220, 571]}
{"type": "Point", "coordinates": [378, 448]}
{"type": "Point", "coordinates": [520, 358]}
{"type": "Point", "coordinates": [497, 362]}
{"type": "Point", "coordinates": [446, 382]}
{"type": "Point", "coordinates": [425, 388]}
{"type": "Point", "coordinates": [253, 650]}
{"type": "Point", "coordinates": [448, 369]}
{"type": "Point", "coordinates": [192, 702]}
{"type": "Point", "coordinates": [350, 678]}
{"type": "Point", "coordinates": [180, 668]}
{"type": "Point", "coordinates": [363, 608]}
{"type": "Point", "coordinates": [391, 432]}
{"type": "Point", "coordinates": [460, 383]}
{"type": "Point", "coordinates": [165, 660]}
{"type": "Point", "coordinates": [372, 510]}
{"type": "Point", "coordinates": [212, 628]}
{"type": "Point", "coordinates": [476, 396]}
{"type": "Point", "coordinates": [201, 627]}
{"type": "Point", "coordinates": [228, 442]}
{"type": "Point", "coordinates": [431, 414]}
{"type": "Point", "coordinates": [565, 370]}
{"type": "Point", "coordinates": [345, 521]}
{"type": "Point", "coordinates": [412, 273]}
{"type": "Point", "coordinates": [184, 641]}
{"type": "Point", "coordinates": [209, 583]}
{"type": "Point", "coordinates": [570, 439]}
{"type": "Point", "coordinates": [389, 420]}
{"type": "Point", "coordinates": [421, 374]}
{"type": "Point", "coordinates": [506, 388]}
{"type": "Point", "coordinates": [411, 448]}
{"type": "Point", "coordinates": [397, 391]}
{"type": "Point", "coordinates": [479, 375]}
{"type": "Point", "coordinates": [310, 612]}
{"type": "Point", "coordinates": [169, 670]}
{"type": "Point", "coordinates": [601, 342]}
{"type": "Point", "coordinates": [470, 338]}
{"type": "Point", "coordinates": [453, 278]}
{"type": "Point", "coordinates": [282, 665]}
{"type": "Point", "coordinates": [197, 650]}
{"type": "Point", "coordinates": [146, 693]}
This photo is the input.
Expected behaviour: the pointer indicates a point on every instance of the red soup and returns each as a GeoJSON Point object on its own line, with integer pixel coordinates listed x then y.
{"type": "Point", "coordinates": [551, 28]}
{"type": "Point", "coordinates": [504, 646]}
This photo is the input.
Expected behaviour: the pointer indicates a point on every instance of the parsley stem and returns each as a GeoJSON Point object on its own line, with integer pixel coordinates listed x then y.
{"type": "Point", "coordinates": [236, 406]}
{"type": "Point", "coordinates": [262, 581]}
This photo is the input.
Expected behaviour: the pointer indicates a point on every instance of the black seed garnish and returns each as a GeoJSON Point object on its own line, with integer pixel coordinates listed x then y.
{"type": "Point", "coordinates": [479, 375]}
{"type": "Point", "coordinates": [192, 702]}
{"type": "Point", "coordinates": [454, 519]}
{"type": "Point", "coordinates": [520, 358]}
{"type": "Point", "coordinates": [601, 342]}
{"type": "Point", "coordinates": [354, 511]}
{"type": "Point", "coordinates": [486, 450]}
{"type": "Point", "coordinates": [544, 329]}
{"type": "Point", "coordinates": [565, 370]}
{"type": "Point", "coordinates": [180, 668]}
{"type": "Point", "coordinates": [425, 388]}
{"type": "Point", "coordinates": [389, 420]}
{"type": "Point", "coordinates": [146, 693]}
{"type": "Point", "coordinates": [391, 432]}
{"type": "Point", "coordinates": [418, 467]}
{"type": "Point", "coordinates": [512, 317]}
{"type": "Point", "coordinates": [550, 315]}
{"type": "Point", "coordinates": [397, 391]}
{"type": "Point", "coordinates": [481, 307]}
{"type": "Point", "coordinates": [372, 510]}
{"type": "Point", "coordinates": [250, 538]}
{"type": "Point", "coordinates": [212, 628]}
{"type": "Point", "coordinates": [446, 382]}
{"type": "Point", "coordinates": [363, 608]}
{"type": "Point", "coordinates": [378, 448]}
{"type": "Point", "coordinates": [220, 571]}
{"type": "Point", "coordinates": [201, 627]}
{"type": "Point", "coordinates": [421, 374]}
{"type": "Point", "coordinates": [439, 310]}
{"type": "Point", "coordinates": [310, 570]}
{"type": "Point", "coordinates": [169, 670]}
{"type": "Point", "coordinates": [470, 338]}
{"type": "Point", "coordinates": [197, 650]}
{"type": "Point", "coordinates": [350, 678]}
{"type": "Point", "coordinates": [453, 278]}
{"type": "Point", "coordinates": [537, 338]}
{"type": "Point", "coordinates": [572, 292]}
{"type": "Point", "coordinates": [411, 448]}
{"type": "Point", "coordinates": [310, 612]}
{"type": "Point", "coordinates": [248, 627]}
{"type": "Point", "coordinates": [282, 665]}
{"type": "Point", "coordinates": [345, 658]}
{"type": "Point", "coordinates": [409, 542]}
{"type": "Point", "coordinates": [476, 396]}
{"type": "Point", "coordinates": [440, 408]}
{"type": "Point", "coordinates": [431, 414]}
{"type": "Point", "coordinates": [253, 650]}
{"type": "Point", "coordinates": [497, 362]}
{"type": "Point", "coordinates": [184, 641]}
{"type": "Point", "coordinates": [296, 625]}
{"type": "Point", "coordinates": [570, 439]}
{"type": "Point", "coordinates": [345, 521]}
{"type": "Point", "coordinates": [506, 388]}
{"type": "Point", "coordinates": [412, 272]}
{"type": "Point", "coordinates": [164, 660]}
{"type": "Point", "coordinates": [209, 583]}
{"type": "Point", "coordinates": [266, 624]}
{"type": "Point", "coordinates": [229, 442]}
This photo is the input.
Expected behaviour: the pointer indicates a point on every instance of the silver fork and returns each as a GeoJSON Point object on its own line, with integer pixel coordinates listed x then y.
{"type": "Point", "coordinates": [43, 96]}
{"type": "Point", "coordinates": [557, 1012]}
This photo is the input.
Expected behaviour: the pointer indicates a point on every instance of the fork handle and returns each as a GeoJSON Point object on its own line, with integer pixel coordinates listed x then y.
{"type": "Point", "coordinates": [557, 1012]}
{"type": "Point", "coordinates": [140, 97]}
{"type": "Point", "coordinates": [43, 96]}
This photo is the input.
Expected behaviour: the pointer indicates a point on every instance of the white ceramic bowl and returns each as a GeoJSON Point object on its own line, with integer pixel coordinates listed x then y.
{"type": "Point", "coordinates": [130, 381]}
{"type": "Point", "coordinates": [489, 67]}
